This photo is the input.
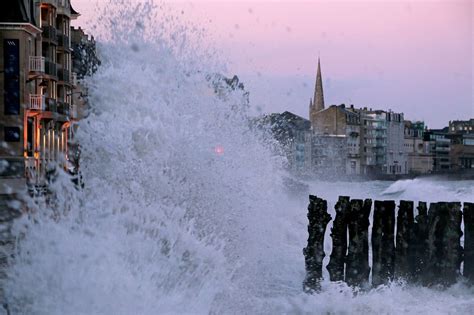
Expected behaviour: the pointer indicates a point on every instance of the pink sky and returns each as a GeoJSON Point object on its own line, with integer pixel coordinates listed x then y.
{"type": "Point", "coordinates": [410, 56]}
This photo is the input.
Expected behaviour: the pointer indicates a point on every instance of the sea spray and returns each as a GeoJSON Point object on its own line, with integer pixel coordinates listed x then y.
{"type": "Point", "coordinates": [167, 224]}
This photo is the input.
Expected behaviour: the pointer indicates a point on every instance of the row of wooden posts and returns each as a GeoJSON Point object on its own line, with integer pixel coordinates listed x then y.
{"type": "Point", "coordinates": [424, 250]}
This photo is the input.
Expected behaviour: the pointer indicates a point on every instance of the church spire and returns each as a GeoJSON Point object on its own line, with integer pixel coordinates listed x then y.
{"type": "Point", "coordinates": [318, 100]}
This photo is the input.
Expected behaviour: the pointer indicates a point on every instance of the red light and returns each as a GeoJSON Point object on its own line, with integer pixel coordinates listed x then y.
{"type": "Point", "coordinates": [219, 150]}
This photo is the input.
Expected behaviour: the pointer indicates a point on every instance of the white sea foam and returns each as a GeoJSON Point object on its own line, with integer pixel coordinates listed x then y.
{"type": "Point", "coordinates": [164, 225]}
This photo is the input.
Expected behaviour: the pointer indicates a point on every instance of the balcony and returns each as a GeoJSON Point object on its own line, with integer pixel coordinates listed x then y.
{"type": "Point", "coordinates": [51, 105]}
{"type": "Point", "coordinates": [51, 68]}
{"type": "Point", "coordinates": [63, 75]}
{"type": "Point", "coordinates": [63, 40]}
{"type": "Point", "coordinates": [36, 102]}
{"type": "Point", "coordinates": [442, 149]}
{"type": "Point", "coordinates": [36, 64]}
{"type": "Point", "coordinates": [49, 32]}
{"type": "Point", "coordinates": [63, 108]}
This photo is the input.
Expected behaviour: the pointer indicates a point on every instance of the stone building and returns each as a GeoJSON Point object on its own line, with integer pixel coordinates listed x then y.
{"type": "Point", "coordinates": [420, 160]}
{"type": "Point", "coordinates": [461, 126]}
{"type": "Point", "coordinates": [338, 122]}
{"type": "Point", "coordinates": [328, 156]}
{"type": "Point", "coordinates": [309, 155]}
{"type": "Point", "coordinates": [293, 132]}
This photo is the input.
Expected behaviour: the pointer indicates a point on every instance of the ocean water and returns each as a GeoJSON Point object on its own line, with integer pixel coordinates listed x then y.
{"type": "Point", "coordinates": [167, 224]}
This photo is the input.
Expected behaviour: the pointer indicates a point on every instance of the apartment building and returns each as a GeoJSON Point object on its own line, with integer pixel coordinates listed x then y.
{"type": "Point", "coordinates": [440, 147]}
{"type": "Point", "coordinates": [38, 83]}
{"type": "Point", "coordinates": [397, 161]}
{"type": "Point", "coordinates": [373, 142]}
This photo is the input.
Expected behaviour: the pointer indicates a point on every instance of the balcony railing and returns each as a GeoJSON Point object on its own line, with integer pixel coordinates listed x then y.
{"type": "Point", "coordinates": [49, 32]}
{"type": "Point", "coordinates": [51, 68]}
{"type": "Point", "coordinates": [36, 102]}
{"type": "Point", "coordinates": [36, 64]}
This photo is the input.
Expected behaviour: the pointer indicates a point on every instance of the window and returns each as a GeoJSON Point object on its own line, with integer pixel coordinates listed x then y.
{"type": "Point", "coordinates": [12, 134]}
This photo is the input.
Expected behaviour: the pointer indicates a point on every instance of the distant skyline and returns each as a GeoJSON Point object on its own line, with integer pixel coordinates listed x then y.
{"type": "Point", "coordinates": [414, 57]}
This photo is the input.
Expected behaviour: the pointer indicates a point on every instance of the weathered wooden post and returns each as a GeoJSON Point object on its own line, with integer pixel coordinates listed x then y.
{"type": "Point", "coordinates": [404, 250]}
{"type": "Point", "coordinates": [434, 245]}
{"type": "Point", "coordinates": [357, 262]}
{"type": "Point", "coordinates": [469, 241]}
{"type": "Point", "coordinates": [339, 240]}
{"type": "Point", "coordinates": [444, 249]}
{"type": "Point", "coordinates": [318, 218]}
{"type": "Point", "coordinates": [421, 240]}
{"type": "Point", "coordinates": [453, 252]}
{"type": "Point", "coordinates": [383, 247]}
{"type": "Point", "coordinates": [366, 209]}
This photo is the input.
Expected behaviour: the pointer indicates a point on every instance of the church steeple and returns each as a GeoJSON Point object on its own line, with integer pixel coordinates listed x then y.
{"type": "Point", "coordinates": [318, 100]}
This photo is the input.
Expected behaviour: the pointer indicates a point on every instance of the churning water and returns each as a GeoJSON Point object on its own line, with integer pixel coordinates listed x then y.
{"type": "Point", "coordinates": [166, 224]}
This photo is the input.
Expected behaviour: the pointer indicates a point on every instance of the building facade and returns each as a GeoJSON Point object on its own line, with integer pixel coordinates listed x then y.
{"type": "Point", "coordinates": [397, 160]}
{"type": "Point", "coordinates": [37, 106]}
{"type": "Point", "coordinates": [420, 160]}
{"type": "Point", "coordinates": [309, 154]}
{"type": "Point", "coordinates": [339, 123]}
{"type": "Point", "coordinates": [373, 142]}
{"type": "Point", "coordinates": [461, 134]}
{"type": "Point", "coordinates": [461, 126]}
{"type": "Point", "coordinates": [439, 147]}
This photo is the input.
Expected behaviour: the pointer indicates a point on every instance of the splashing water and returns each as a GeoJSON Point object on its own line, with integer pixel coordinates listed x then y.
{"type": "Point", "coordinates": [166, 225]}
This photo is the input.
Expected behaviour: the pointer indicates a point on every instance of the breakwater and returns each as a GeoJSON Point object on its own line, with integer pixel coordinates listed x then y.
{"type": "Point", "coordinates": [424, 249]}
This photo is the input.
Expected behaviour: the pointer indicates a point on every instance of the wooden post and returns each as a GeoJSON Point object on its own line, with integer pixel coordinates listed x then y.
{"type": "Point", "coordinates": [421, 240]}
{"type": "Point", "coordinates": [383, 247]}
{"type": "Point", "coordinates": [357, 264]}
{"type": "Point", "coordinates": [469, 241]}
{"type": "Point", "coordinates": [444, 249]}
{"type": "Point", "coordinates": [452, 250]}
{"type": "Point", "coordinates": [433, 246]}
{"type": "Point", "coordinates": [365, 223]}
{"type": "Point", "coordinates": [314, 252]}
{"type": "Point", "coordinates": [339, 240]}
{"type": "Point", "coordinates": [404, 252]}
